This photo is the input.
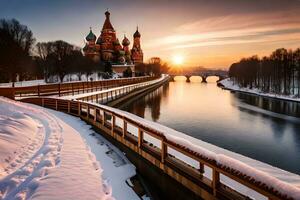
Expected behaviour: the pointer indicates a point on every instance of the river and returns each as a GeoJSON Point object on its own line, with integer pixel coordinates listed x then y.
{"type": "Point", "coordinates": [265, 129]}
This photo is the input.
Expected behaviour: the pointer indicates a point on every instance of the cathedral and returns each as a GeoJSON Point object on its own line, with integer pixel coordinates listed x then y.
{"type": "Point", "coordinates": [108, 49]}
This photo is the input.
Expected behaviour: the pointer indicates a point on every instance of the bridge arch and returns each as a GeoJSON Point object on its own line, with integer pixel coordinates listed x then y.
{"type": "Point", "coordinates": [203, 77]}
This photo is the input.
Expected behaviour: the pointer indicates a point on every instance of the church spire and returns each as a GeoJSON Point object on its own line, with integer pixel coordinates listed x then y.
{"type": "Point", "coordinates": [107, 24]}
{"type": "Point", "coordinates": [137, 33]}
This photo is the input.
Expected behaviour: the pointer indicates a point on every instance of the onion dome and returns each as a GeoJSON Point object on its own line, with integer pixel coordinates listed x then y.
{"type": "Point", "coordinates": [125, 41]}
{"type": "Point", "coordinates": [91, 36]}
{"type": "Point", "coordinates": [137, 33]}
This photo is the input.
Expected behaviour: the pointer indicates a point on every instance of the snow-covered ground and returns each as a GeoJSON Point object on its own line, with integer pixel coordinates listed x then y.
{"type": "Point", "coordinates": [116, 167]}
{"type": "Point", "coordinates": [67, 78]}
{"type": "Point", "coordinates": [44, 156]}
{"type": "Point", "coordinates": [228, 84]}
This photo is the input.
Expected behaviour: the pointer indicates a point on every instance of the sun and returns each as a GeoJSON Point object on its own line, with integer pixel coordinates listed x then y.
{"type": "Point", "coordinates": [178, 59]}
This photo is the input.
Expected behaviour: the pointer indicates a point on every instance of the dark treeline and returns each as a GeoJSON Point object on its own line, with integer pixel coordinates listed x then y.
{"type": "Point", "coordinates": [278, 73]}
{"type": "Point", "coordinates": [22, 59]}
{"type": "Point", "coordinates": [60, 58]}
{"type": "Point", "coordinates": [155, 66]}
{"type": "Point", "coordinates": [16, 42]}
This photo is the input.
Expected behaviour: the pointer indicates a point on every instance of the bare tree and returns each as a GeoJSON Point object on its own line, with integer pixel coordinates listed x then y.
{"type": "Point", "coordinates": [279, 73]}
{"type": "Point", "coordinates": [16, 42]}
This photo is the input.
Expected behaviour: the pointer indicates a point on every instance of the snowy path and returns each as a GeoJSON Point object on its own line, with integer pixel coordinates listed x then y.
{"type": "Point", "coordinates": [54, 164]}
{"type": "Point", "coordinates": [116, 167]}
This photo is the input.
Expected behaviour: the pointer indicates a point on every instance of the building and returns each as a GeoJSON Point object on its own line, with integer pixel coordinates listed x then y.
{"type": "Point", "coordinates": [108, 49]}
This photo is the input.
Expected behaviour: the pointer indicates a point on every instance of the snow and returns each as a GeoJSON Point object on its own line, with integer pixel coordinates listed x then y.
{"type": "Point", "coordinates": [48, 160]}
{"type": "Point", "coordinates": [17, 131]}
{"type": "Point", "coordinates": [283, 181]}
{"type": "Point", "coordinates": [24, 83]}
{"type": "Point", "coordinates": [55, 79]}
{"type": "Point", "coordinates": [228, 84]}
{"type": "Point", "coordinates": [78, 96]}
{"type": "Point", "coordinates": [116, 167]}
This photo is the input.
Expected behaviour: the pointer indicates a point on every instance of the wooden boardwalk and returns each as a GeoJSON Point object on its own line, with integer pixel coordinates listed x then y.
{"type": "Point", "coordinates": [115, 125]}
{"type": "Point", "coordinates": [72, 88]}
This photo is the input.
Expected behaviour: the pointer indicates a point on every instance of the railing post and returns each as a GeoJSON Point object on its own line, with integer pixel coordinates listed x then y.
{"type": "Point", "coordinates": [38, 87]}
{"type": "Point", "coordinates": [72, 84]}
{"type": "Point", "coordinates": [59, 89]}
{"type": "Point", "coordinates": [88, 111]}
{"type": "Point", "coordinates": [103, 118]}
{"type": "Point", "coordinates": [43, 103]}
{"type": "Point", "coordinates": [201, 168]}
{"type": "Point", "coordinates": [83, 87]}
{"type": "Point", "coordinates": [69, 106]}
{"type": "Point", "coordinates": [79, 109]}
{"type": "Point", "coordinates": [215, 181]}
{"type": "Point", "coordinates": [124, 128]}
{"type": "Point", "coordinates": [56, 104]}
{"type": "Point", "coordinates": [140, 137]}
{"type": "Point", "coordinates": [113, 119]}
{"type": "Point", "coordinates": [163, 150]}
{"type": "Point", "coordinates": [95, 116]}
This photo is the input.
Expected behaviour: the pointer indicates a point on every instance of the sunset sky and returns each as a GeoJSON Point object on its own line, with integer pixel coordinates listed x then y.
{"type": "Point", "coordinates": [211, 33]}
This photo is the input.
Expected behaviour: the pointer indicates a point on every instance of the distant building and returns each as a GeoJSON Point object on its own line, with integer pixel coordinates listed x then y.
{"type": "Point", "coordinates": [108, 49]}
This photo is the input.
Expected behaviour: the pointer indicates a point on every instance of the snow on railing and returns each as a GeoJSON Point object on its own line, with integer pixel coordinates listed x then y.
{"type": "Point", "coordinates": [226, 163]}
{"type": "Point", "coordinates": [255, 183]}
{"type": "Point", "coordinates": [72, 88]}
{"type": "Point", "coordinates": [107, 95]}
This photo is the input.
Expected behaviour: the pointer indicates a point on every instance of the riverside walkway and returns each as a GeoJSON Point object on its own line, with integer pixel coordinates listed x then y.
{"type": "Point", "coordinates": [156, 144]}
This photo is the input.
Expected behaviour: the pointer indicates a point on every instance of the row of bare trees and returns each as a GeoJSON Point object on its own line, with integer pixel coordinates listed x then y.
{"type": "Point", "coordinates": [16, 42]}
{"type": "Point", "coordinates": [278, 73]}
{"type": "Point", "coordinates": [155, 66]}
{"type": "Point", "coordinates": [21, 59]}
{"type": "Point", "coordinates": [61, 58]}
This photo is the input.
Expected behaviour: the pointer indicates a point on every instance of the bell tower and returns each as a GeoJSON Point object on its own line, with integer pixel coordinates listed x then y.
{"type": "Point", "coordinates": [136, 51]}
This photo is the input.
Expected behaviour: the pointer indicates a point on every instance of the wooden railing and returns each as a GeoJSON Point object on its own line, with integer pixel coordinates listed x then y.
{"type": "Point", "coordinates": [61, 89]}
{"type": "Point", "coordinates": [105, 96]}
{"type": "Point", "coordinates": [132, 134]}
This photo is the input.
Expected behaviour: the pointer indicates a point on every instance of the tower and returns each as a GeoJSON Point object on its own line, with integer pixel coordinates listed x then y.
{"type": "Point", "coordinates": [136, 51]}
{"type": "Point", "coordinates": [126, 49]}
{"type": "Point", "coordinates": [91, 49]}
{"type": "Point", "coordinates": [107, 39]}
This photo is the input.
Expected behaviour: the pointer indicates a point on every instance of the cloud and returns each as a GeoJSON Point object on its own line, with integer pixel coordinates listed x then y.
{"type": "Point", "coordinates": [233, 29]}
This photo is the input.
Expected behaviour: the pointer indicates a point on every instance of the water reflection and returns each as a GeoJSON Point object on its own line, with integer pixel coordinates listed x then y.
{"type": "Point", "coordinates": [274, 105]}
{"type": "Point", "coordinates": [151, 102]}
{"type": "Point", "coordinates": [250, 125]}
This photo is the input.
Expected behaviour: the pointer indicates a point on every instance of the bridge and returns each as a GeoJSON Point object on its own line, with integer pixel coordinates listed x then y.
{"type": "Point", "coordinates": [156, 147]}
{"type": "Point", "coordinates": [202, 73]}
